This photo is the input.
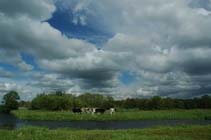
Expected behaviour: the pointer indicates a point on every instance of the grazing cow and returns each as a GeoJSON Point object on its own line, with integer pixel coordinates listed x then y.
{"type": "Point", "coordinates": [93, 111]}
{"type": "Point", "coordinates": [76, 110]}
{"type": "Point", "coordinates": [86, 110]}
{"type": "Point", "coordinates": [83, 110]}
{"type": "Point", "coordinates": [112, 110]}
{"type": "Point", "coordinates": [99, 110]}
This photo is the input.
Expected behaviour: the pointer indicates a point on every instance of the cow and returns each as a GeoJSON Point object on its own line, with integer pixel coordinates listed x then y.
{"type": "Point", "coordinates": [86, 110]}
{"type": "Point", "coordinates": [76, 110]}
{"type": "Point", "coordinates": [112, 110]}
{"type": "Point", "coordinates": [98, 110]}
{"type": "Point", "coordinates": [93, 110]}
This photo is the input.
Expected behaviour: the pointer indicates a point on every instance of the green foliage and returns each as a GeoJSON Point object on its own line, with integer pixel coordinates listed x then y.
{"type": "Point", "coordinates": [1, 108]}
{"type": "Point", "coordinates": [24, 104]}
{"type": "Point", "coordinates": [53, 102]}
{"type": "Point", "coordinates": [96, 100]}
{"type": "Point", "coordinates": [158, 133]}
{"type": "Point", "coordinates": [60, 101]}
{"type": "Point", "coordinates": [158, 103]}
{"type": "Point", "coordinates": [10, 101]}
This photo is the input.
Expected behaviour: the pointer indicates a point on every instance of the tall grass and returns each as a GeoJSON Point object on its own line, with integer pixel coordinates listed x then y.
{"type": "Point", "coordinates": [129, 115]}
{"type": "Point", "coordinates": [158, 133]}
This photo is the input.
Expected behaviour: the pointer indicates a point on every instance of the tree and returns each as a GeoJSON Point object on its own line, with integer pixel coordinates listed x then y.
{"type": "Point", "coordinates": [10, 101]}
{"type": "Point", "coordinates": [205, 102]}
{"type": "Point", "coordinates": [96, 100]}
{"type": "Point", "coordinates": [155, 103]}
{"type": "Point", "coordinates": [52, 102]}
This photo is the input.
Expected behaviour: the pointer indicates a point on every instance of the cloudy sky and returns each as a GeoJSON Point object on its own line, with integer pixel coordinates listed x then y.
{"type": "Point", "coordinates": [127, 48]}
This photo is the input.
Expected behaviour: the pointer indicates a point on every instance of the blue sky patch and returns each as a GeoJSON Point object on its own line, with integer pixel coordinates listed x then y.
{"type": "Point", "coordinates": [63, 21]}
{"type": "Point", "coordinates": [127, 78]}
{"type": "Point", "coordinates": [8, 67]}
{"type": "Point", "coordinates": [29, 59]}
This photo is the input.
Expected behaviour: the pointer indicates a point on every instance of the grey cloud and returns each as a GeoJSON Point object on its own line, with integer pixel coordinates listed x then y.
{"type": "Point", "coordinates": [96, 69]}
{"type": "Point", "coordinates": [5, 74]}
{"type": "Point", "coordinates": [201, 4]}
{"type": "Point", "coordinates": [192, 61]}
{"type": "Point", "coordinates": [39, 9]}
{"type": "Point", "coordinates": [51, 82]}
{"type": "Point", "coordinates": [14, 58]}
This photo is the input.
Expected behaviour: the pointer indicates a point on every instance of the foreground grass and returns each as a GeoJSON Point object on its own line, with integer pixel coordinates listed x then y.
{"type": "Point", "coordinates": [129, 115]}
{"type": "Point", "coordinates": [159, 133]}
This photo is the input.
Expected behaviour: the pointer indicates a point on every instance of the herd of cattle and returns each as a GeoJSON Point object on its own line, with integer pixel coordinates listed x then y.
{"type": "Point", "coordinates": [93, 110]}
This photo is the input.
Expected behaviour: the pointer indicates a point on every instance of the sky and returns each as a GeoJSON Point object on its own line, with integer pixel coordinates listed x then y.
{"type": "Point", "coordinates": [125, 49]}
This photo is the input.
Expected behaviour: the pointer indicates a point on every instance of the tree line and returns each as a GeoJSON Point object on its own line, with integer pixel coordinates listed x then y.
{"type": "Point", "coordinates": [60, 101]}
{"type": "Point", "coordinates": [159, 103]}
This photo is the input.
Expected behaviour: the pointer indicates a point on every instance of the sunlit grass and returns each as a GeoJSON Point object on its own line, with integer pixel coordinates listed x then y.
{"type": "Point", "coordinates": [126, 115]}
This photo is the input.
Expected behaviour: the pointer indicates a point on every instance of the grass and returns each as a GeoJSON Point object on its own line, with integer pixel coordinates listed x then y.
{"type": "Point", "coordinates": [128, 115]}
{"type": "Point", "coordinates": [158, 133]}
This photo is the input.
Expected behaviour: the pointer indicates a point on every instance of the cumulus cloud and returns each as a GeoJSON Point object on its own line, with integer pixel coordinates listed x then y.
{"type": "Point", "coordinates": [96, 68]}
{"type": "Point", "coordinates": [167, 39]}
{"type": "Point", "coordinates": [72, 58]}
{"type": "Point", "coordinates": [166, 44]}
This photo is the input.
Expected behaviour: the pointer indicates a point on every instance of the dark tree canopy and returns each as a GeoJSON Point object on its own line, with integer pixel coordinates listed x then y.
{"type": "Point", "coordinates": [10, 101]}
{"type": "Point", "coordinates": [62, 101]}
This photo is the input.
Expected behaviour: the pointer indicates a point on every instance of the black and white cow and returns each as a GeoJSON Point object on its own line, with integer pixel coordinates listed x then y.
{"type": "Point", "coordinates": [98, 111]}
{"type": "Point", "coordinates": [93, 110]}
{"type": "Point", "coordinates": [86, 110]}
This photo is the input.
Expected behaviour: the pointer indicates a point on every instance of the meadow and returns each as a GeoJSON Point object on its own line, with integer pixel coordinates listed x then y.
{"type": "Point", "coordinates": [157, 133]}
{"type": "Point", "coordinates": [197, 114]}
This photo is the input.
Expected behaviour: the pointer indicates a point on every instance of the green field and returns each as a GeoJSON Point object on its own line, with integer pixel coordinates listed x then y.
{"type": "Point", "coordinates": [158, 133]}
{"type": "Point", "coordinates": [123, 115]}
